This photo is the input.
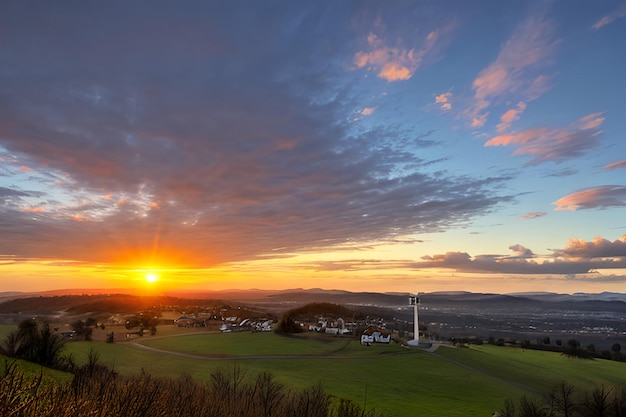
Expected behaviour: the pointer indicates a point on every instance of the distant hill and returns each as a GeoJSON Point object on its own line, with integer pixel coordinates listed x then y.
{"type": "Point", "coordinates": [110, 303]}
{"type": "Point", "coordinates": [77, 302]}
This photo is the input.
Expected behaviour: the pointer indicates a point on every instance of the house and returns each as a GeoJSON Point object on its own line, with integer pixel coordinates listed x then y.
{"type": "Point", "coordinates": [375, 335]}
{"type": "Point", "coordinates": [186, 320]}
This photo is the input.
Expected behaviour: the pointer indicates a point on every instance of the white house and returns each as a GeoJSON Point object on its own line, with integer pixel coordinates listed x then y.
{"type": "Point", "coordinates": [374, 335]}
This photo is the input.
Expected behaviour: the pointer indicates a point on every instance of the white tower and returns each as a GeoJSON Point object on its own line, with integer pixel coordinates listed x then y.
{"type": "Point", "coordinates": [414, 301]}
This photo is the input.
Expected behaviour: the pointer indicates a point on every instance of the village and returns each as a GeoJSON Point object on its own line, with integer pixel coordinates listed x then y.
{"type": "Point", "coordinates": [370, 330]}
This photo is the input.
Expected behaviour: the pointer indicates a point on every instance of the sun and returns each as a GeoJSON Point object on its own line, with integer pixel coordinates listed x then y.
{"type": "Point", "coordinates": [152, 277]}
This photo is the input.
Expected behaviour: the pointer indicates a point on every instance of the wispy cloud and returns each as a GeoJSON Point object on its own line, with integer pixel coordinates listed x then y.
{"type": "Point", "coordinates": [616, 165]}
{"type": "Point", "coordinates": [618, 13]}
{"type": "Point", "coordinates": [555, 145]}
{"type": "Point", "coordinates": [395, 60]}
{"type": "Point", "coordinates": [533, 215]}
{"type": "Point", "coordinates": [517, 71]}
{"type": "Point", "coordinates": [593, 198]}
{"type": "Point", "coordinates": [393, 63]}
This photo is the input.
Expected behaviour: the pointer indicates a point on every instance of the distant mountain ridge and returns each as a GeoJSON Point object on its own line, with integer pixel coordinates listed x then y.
{"type": "Point", "coordinates": [303, 296]}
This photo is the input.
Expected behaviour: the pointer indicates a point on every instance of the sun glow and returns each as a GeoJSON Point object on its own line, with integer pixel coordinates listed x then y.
{"type": "Point", "coordinates": [152, 277]}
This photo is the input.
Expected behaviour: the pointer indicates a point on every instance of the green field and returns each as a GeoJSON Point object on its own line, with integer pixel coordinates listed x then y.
{"type": "Point", "coordinates": [390, 378]}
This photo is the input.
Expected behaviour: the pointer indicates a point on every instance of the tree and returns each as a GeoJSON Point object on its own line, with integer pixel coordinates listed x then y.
{"type": "Point", "coordinates": [530, 407]}
{"type": "Point", "coordinates": [82, 329]}
{"type": "Point", "coordinates": [34, 341]}
{"type": "Point", "coordinates": [288, 325]}
{"type": "Point", "coordinates": [561, 399]}
{"type": "Point", "coordinates": [616, 349]}
{"type": "Point", "coordinates": [597, 403]}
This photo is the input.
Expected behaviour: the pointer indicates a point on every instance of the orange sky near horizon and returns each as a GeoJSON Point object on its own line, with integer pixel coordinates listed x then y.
{"type": "Point", "coordinates": [155, 280]}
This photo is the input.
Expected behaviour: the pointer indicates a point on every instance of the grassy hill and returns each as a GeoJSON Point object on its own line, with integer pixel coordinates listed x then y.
{"type": "Point", "coordinates": [389, 378]}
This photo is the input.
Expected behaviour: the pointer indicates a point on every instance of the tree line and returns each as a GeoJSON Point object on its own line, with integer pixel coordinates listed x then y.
{"type": "Point", "coordinates": [565, 400]}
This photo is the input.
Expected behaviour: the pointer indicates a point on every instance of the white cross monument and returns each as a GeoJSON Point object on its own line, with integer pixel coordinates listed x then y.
{"type": "Point", "coordinates": [414, 300]}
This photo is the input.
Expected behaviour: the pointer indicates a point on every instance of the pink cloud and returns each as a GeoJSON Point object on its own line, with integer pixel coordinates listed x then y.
{"type": "Point", "coordinates": [510, 116]}
{"type": "Point", "coordinates": [444, 101]}
{"type": "Point", "coordinates": [597, 197]}
{"type": "Point", "coordinates": [515, 70]}
{"type": "Point", "coordinates": [479, 120]}
{"type": "Point", "coordinates": [396, 63]}
{"type": "Point", "coordinates": [598, 248]}
{"type": "Point", "coordinates": [616, 165]}
{"type": "Point", "coordinates": [557, 144]}
{"type": "Point", "coordinates": [367, 111]}
{"type": "Point", "coordinates": [33, 210]}
{"type": "Point", "coordinates": [611, 17]}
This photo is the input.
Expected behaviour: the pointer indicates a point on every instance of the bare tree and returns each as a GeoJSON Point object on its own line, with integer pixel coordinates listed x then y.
{"type": "Point", "coordinates": [561, 400]}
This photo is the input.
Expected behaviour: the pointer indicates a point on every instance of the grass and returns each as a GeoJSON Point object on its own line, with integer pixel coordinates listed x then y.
{"type": "Point", "coordinates": [539, 369]}
{"type": "Point", "coordinates": [244, 343]}
{"type": "Point", "coordinates": [29, 368]}
{"type": "Point", "coordinates": [5, 329]}
{"type": "Point", "coordinates": [392, 379]}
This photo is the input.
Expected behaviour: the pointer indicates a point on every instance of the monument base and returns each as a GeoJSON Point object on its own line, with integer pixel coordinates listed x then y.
{"type": "Point", "coordinates": [418, 344]}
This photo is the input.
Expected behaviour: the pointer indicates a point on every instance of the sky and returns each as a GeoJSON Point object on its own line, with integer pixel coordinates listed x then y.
{"type": "Point", "coordinates": [397, 146]}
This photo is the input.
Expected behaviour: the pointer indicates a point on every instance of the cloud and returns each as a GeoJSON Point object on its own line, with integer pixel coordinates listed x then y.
{"type": "Point", "coordinates": [510, 116]}
{"type": "Point", "coordinates": [619, 13]}
{"type": "Point", "coordinates": [578, 257]}
{"type": "Point", "coordinates": [616, 165]}
{"type": "Point", "coordinates": [516, 72]}
{"type": "Point", "coordinates": [367, 111]}
{"type": "Point", "coordinates": [533, 215]}
{"type": "Point", "coordinates": [208, 148]}
{"type": "Point", "coordinates": [600, 261]}
{"type": "Point", "coordinates": [555, 145]}
{"type": "Point", "coordinates": [395, 61]}
{"type": "Point", "coordinates": [598, 248]}
{"type": "Point", "coordinates": [444, 101]}
{"type": "Point", "coordinates": [604, 196]}
{"type": "Point", "coordinates": [522, 252]}
{"type": "Point", "coordinates": [391, 63]}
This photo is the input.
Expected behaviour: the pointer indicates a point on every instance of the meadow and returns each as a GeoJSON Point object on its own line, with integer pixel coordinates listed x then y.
{"type": "Point", "coordinates": [392, 379]}
{"type": "Point", "coordinates": [395, 380]}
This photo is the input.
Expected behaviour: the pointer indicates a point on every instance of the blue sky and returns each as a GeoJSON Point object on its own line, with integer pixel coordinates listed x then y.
{"type": "Point", "coordinates": [384, 146]}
